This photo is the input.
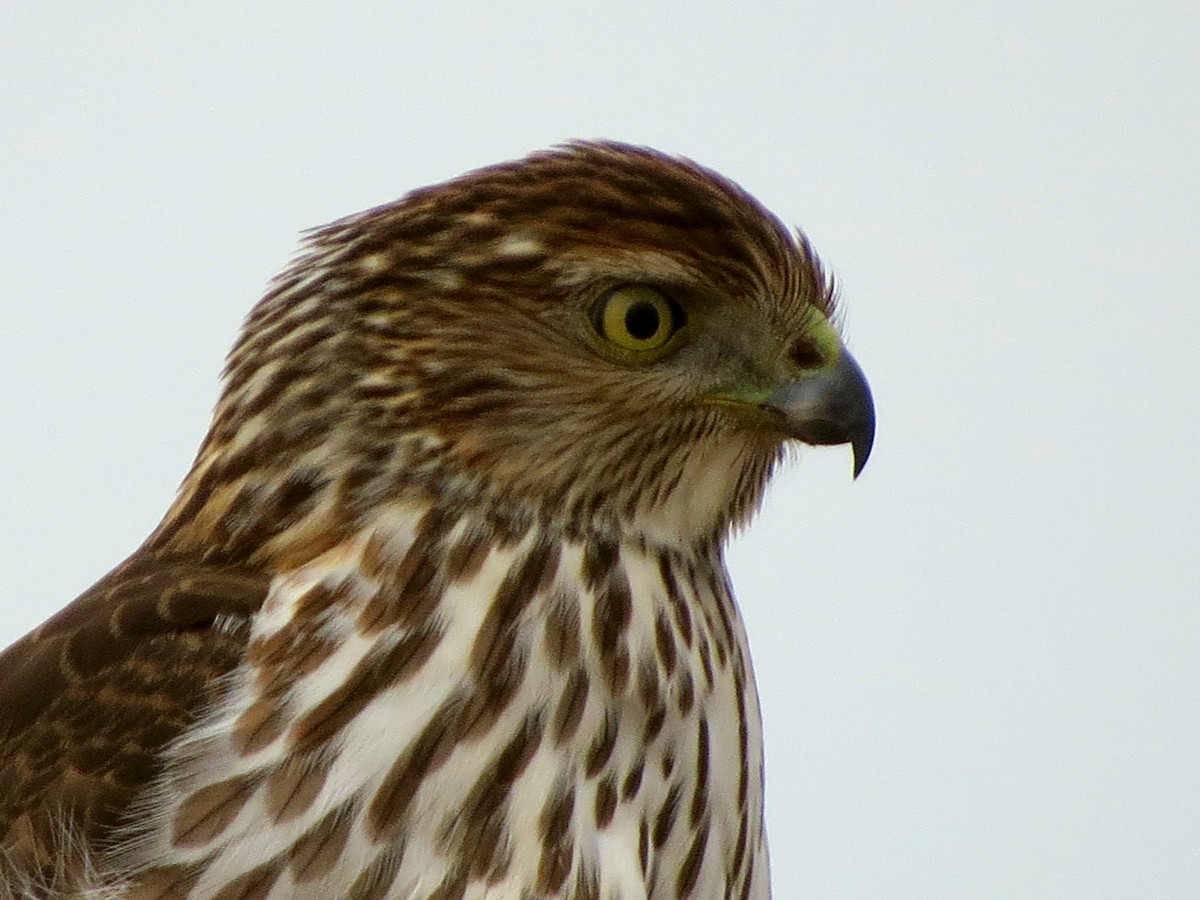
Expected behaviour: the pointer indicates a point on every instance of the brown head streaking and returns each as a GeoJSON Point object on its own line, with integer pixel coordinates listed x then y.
{"type": "Point", "coordinates": [441, 609]}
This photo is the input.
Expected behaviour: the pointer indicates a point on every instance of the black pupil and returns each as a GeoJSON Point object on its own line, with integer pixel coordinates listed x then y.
{"type": "Point", "coordinates": [642, 321]}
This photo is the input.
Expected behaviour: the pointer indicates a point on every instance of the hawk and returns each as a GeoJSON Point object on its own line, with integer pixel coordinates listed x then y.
{"type": "Point", "coordinates": [441, 610]}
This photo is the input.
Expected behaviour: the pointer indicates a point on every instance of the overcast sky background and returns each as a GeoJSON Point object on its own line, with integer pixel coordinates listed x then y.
{"type": "Point", "coordinates": [979, 664]}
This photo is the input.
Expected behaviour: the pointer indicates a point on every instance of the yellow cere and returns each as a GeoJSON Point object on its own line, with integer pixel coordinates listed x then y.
{"type": "Point", "coordinates": [824, 336]}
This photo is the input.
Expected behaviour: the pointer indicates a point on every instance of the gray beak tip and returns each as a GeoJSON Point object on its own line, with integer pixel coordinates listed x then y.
{"type": "Point", "coordinates": [832, 406]}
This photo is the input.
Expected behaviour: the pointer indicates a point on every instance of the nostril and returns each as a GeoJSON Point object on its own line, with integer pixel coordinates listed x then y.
{"type": "Point", "coordinates": [806, 354]}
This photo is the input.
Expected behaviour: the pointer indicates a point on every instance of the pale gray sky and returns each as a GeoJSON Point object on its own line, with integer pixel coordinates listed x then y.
{"type": "Point", "coordinates": [979, 664]}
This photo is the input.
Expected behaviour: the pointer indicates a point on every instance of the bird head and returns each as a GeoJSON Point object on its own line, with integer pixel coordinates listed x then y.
{"type": "Point", "coordinates": [597, 336]}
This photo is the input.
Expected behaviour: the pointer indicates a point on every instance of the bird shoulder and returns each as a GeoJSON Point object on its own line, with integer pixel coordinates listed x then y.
{"type": "Point", "coordinates": [89, 700]}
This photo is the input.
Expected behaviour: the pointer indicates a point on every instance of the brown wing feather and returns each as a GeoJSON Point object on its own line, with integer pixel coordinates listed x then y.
{"type": "Point", "coordinates": [89, 700]}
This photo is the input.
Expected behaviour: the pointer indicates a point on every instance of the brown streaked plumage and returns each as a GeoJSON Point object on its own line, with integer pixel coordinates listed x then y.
{"type": "Point", "coordinates": [440, 610]}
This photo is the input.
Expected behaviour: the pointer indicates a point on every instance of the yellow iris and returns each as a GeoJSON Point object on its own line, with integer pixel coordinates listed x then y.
{"type": "Point", "coordinates": [636, 318]}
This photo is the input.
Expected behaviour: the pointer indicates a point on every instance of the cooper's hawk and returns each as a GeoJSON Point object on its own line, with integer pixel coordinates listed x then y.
{"type": "Point", "coordinates": [441, 609]}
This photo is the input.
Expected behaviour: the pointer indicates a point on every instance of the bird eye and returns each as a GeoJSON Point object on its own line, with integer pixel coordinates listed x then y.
{"type": "Point", "coordinates": [637, 318]}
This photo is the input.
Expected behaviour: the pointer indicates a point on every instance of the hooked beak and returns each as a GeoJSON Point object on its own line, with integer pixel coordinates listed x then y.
{"type": "Point", "coordinates": [830, 405]}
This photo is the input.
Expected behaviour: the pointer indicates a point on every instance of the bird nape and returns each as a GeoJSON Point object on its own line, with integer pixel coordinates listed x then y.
{"type": "Point", "coordinates": [441, 610]}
